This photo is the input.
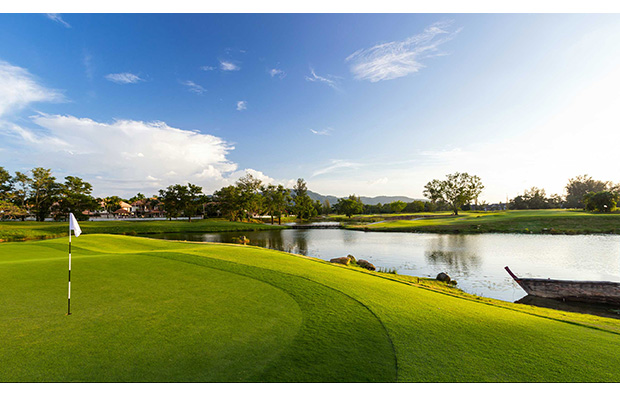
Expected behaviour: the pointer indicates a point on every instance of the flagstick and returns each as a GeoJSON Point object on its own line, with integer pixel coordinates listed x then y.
{"type": "Point", "coordinates": [69, 296]}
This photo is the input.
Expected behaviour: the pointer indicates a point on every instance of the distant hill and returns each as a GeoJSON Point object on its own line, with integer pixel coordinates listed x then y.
{"type": "Point", "coordinates": [366, 200]}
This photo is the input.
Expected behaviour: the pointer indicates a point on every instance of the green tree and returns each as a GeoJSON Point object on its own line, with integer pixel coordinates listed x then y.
{"type": "Point", "coordinates": [9, 210]}
{"type": "Point", "coordinates": [579, 186]}
{"type": "Point", "coordinates": [228, 199]}
{"type": "Point", "coordinates": [250, 200]}
{"type": "Point", "coordinates": [43, 192]}
{"type": "Point", "coordinates": [350, 206]}
{"type": "Point", "coordinates": [276, 199]}
{"type": "Point", "coordinates": [75, 197]}
{"type": "Point", "coordinates": [397, 206]}
{"type": "Point", "coordinates": [112, 203]}
{"type": "Point", "coordinates": [139, 196]}
{"type": "Point", "coordinates": [327, 207]}
{"type": "Point", "coordinates": [6, 185]}
{"type": "Point", "coordinates": [455, 191]}
{"type": "Point", "coordinates": [181, 200]}
{"type": "Point", "coordinates": [21, 191]}
{"type": "Point", "coordinates": [603, 202]}
{"type": "Point", "coordinates": [303, 206]}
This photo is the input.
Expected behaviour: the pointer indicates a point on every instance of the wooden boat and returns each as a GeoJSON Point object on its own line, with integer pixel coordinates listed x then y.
{"type": "Point", "coordinates": [578, 291]}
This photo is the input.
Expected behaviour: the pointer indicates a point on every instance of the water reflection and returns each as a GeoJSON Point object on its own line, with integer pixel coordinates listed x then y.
{"type": "Point", "coordinates": [457, 252]}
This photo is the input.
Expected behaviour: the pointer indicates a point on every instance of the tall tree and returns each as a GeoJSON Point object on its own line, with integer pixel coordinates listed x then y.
{"type": "Point", "coordinates": [75, 197]}
{"type": "Point", "coordinates": [275, 199]}
{"type": "Point", "coordinates": [21, 190]}
{"type": "Point", "coordinates": [6, 184]}
{"type": "Point", "coordinates": [456, 190]}
{"type": "Point", "coordinates": [579, 186]}
{"type": "Point", "coordinates": [43, 192]}
{"type": "Point", "coordinates": [228, 199]}
{"type": "Point", "coordinates": [303, 206]}
{"type": "Point", "coordinates": [250, 201]}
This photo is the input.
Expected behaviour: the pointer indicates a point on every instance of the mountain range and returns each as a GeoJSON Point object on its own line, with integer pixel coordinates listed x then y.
{"type": "Point", "coordinates": [365, 199]}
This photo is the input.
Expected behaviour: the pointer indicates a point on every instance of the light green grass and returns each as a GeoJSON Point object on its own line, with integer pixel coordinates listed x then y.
{"type": "Point", "coordinates": [153, 310]}
{"type": "Point", "coordinates": [29, 230]}
{"type": "Point", "coordinates": [517, 221]}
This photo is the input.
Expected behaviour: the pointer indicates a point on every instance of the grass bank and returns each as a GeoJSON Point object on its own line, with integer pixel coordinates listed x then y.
{"type": "Point", "coordinates": [30, 230]}
{"type": "Point", "coordinates": [152, 310]}
{"type": "Point", "coordinates": [522, 221]}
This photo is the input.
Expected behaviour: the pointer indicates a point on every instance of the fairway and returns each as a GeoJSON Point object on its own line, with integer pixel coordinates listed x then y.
{"type": "Point", "coordinates": [156, 311]}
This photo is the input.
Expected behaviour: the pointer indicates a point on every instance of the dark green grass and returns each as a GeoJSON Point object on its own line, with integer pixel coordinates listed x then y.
{"type": "Point", "coordinates": [29, 230]}
{"type": "Point", "coordinates": [526, 221]}
{"type": "Point", "coordinates": [152, 310]}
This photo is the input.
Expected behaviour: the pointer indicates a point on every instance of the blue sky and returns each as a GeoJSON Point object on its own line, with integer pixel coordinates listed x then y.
{"type": "Point", "coordinates": [371, 104]}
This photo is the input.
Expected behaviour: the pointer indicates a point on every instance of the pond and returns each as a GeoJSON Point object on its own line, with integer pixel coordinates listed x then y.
{"type": "Point", "coordinates": [475, 261]}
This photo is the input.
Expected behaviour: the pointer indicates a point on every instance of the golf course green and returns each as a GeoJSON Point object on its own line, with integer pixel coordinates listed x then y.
{"type": "Point", "coordinates": [147, 310]}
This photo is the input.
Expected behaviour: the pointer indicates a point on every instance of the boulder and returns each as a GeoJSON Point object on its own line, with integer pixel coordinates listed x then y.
{"type": "Point", "coordinates": [342, 260]}
{"type": "Point", "coordinates": [443, 277]}
{"type": "Point", "coordinates": [366, 265]}
{"type": "Point", "coordinates": [352, 258]}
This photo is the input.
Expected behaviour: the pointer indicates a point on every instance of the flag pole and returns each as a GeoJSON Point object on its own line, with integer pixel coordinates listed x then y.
{"type": "Point", "coordinates": [69, 294]}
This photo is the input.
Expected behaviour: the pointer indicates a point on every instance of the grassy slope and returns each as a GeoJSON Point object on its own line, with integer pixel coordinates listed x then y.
{"type": "Point", "coordinates": [41, 230]}
{"type": "Point", "coordinates": [526, 221]}
{"type": "Point", "coordinates": [151, 310]}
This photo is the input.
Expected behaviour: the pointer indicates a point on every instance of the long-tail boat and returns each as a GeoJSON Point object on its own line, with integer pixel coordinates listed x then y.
{"type": "Point", "coordinates": [578, 291]}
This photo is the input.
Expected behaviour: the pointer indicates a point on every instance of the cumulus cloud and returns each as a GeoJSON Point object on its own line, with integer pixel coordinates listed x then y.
{"type": "Point", "coordinates": [57, 18]}
{"type": "Point", "coordinates": [194, 87]}
{"type": "Point", "coordinates": [242, 105]}
{"type": "Point", "coordinates": [18, 88]}
{"type": "Point", "coordinates": [124, 78]}
{"type": "Point", "coordinates": [400, 58]}
{"type": "Point", "coordinates": [330, 80]}
{"type": "Point", "coordinates": [229, 66]}
{"type": "Point", "coordinates": [126, 155]}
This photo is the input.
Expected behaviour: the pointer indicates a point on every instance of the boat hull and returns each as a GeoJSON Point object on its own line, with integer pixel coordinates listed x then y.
{"type": "Point", "coordinates": [577, 291]}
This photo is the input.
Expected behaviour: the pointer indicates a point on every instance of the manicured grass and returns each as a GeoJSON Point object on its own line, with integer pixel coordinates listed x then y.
{"type": "Point", "coordinates": [153, 310]}
{"type": "Point", "coordinates": [29, 230]}
{"type": "Point", "coordinates": [522, 221]}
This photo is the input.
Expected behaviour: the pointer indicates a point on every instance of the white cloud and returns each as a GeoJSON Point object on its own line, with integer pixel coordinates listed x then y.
{"type": "Point", "coordinates": [194, 87]}
{"type": "Point", "coordinates": [18, 89]}
{"type": "Point", "coordinates": [323, 132]}
{"type": "Point", "coordinates": [124, 78]}
{"type": "Point", "coordinates": [400, 58]}
{"type": "Point", "coordinates": [58, 18]}
{"type": "Point", "coordinates": [277, 73]}
{"type": "Point", "coordinates": [207, 68]}
{"type": "Point", "coordinates": [127, 155]}
{"type": "Point", "coordinates": [330, 80]}
{"type": "Point", "coordinates": [229, 66]}
{"type": "Point", "coordinates": [242, 105]}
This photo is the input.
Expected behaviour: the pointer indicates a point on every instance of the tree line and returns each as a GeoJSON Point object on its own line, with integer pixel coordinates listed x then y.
{"type": "Point", "coordinates": [39, 194]}
{"type": "Point", "coordinates": [582, 192]}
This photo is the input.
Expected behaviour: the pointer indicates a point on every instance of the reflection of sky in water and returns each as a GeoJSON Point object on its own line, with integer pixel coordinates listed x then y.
{"type": "Point", "coordinates": [475, 261]}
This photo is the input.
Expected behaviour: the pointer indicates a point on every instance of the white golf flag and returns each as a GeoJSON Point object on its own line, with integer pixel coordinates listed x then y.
{"type": "Point", "coordinates": [74, 226]}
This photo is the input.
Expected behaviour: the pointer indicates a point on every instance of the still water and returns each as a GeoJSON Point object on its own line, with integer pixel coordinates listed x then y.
{"type": "Point", "coordinates": [475, 261]}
